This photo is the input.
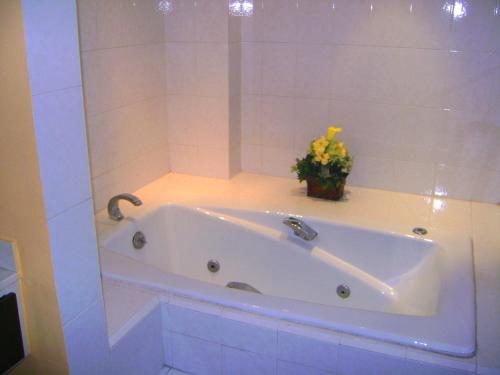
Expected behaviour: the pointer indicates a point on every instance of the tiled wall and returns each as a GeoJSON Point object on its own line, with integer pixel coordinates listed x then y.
{"type": "Point", "coordinates": [123, 63]}
{"type": "Point", "coordinates": [53, 56]}
{"type": "Point", "coordinates": [59, 125]}
{"type": "Point", "coordinates": [202, 338]}
{"type": "Point", "coordinates": [199, 88]}
{"type": "Point", "coordinates": [415, 85]}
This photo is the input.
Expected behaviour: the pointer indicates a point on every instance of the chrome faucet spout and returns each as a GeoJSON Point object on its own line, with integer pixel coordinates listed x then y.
{"type": "Point", "coordinates": [300, 228]}
{"type": "Point", "coordinates": [113, 208]}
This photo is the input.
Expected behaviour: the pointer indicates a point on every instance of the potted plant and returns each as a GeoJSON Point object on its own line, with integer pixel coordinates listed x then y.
{"type": "Point", "coordinates": [325, 167]}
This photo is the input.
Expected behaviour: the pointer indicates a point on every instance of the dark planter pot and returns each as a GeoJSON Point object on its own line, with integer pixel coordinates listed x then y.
{"type": "Point", "coordinates": [314, 189]}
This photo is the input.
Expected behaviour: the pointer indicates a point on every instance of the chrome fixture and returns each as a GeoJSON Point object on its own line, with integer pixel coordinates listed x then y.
{"type": "Point", "coordinates": [113, 209]}
{"type": "Point", "coordinates": [242, 286]}
{"type": "Point", "coordinates": [300, 229]}
{"type": "Point", "coordinates": [139, 240]}
{"type": "Point", "coordinates": [420, 231]}
{"type": "Point", "coordinates": [343, 291]}
{"type": "Point", "coordinates": [213, 266]}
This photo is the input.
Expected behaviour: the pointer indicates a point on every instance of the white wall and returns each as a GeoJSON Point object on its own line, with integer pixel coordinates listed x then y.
{"type": "Point", "coordinates": [123, 60]}
{"type": "Point", "coordinates": [415, 89]}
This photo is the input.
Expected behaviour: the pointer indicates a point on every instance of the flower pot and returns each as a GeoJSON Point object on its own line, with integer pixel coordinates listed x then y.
{"type": "Point", "coordinates": [314, 189]}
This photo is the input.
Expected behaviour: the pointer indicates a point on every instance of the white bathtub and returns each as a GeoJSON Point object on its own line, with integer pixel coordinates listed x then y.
{"type": "Point", "coordinates": [406, 289]}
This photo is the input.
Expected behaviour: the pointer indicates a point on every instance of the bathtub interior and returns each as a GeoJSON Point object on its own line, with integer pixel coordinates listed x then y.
{"type": "Point", "coordinates": [384, 255]}
{"type": "Point", "coordinates": [385, 272]}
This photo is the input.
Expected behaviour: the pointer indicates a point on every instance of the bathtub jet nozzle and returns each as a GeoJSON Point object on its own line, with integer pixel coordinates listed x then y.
{"type": "Point", "coordinates": [213, 266]}
{"type": "Point", "coordinates": [139, 240]}
{"type": "Point", "coordinates": [300, 228]}
{"type": "Point", "coordinates": [343, 291]}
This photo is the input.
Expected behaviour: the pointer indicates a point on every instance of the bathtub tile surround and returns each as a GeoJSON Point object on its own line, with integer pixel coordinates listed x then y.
{"type": "Point", "coordinates": [290, 368]}
{"type": "Point", "coordinates": [147, 74]}
{"type": "Point", "coordinates": [249, 92]}
{"type": "Point", "coordinates": [319, 352]}
{"type": "Point", "coordinates": [172, 371]}
{"type": "Point", "coordinates": [125, 306]}
{"type": "Point", "coordinates": [195, 355]}
{"type": "Point", "coordinates": [183, 317]}
{"type": "Point", "coordinates": [140, 350]}
{"type": "Point", "coordinates": [464, 364]}
{"type": "Point", "coordinates": [358, 361]}
{"type": "Point", "coordinates": [202, 60]}
{"type": "Point", "coordinates": [243, 362]}
{"type": "Point", "coordinates": [240, 331]}
{"type": "Point", "coordinates": [297, 349]}
{"type": "Point", "coordinates": [414, 85]}
{"type": "Point", "coordinates": [123, 65]}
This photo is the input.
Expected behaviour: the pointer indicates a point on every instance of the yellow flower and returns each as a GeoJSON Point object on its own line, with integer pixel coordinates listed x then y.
{"type": "Point", "coordinates": [332, 132]}
{"type": "Point", "coordinates": [323, 158]}
{"type": "Point", "coordinates": [337, 149]}
{"type": "Point", "coordinates": [342, 150]}
{"type": "Point", "coordinates": [319, 145]}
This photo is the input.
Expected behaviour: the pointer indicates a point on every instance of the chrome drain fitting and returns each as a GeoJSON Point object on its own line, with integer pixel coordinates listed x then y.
{"type": "Point", "coordinates": [139, 240]}
{"type": "Point", "coordinates": [343, 291]}
{"type": "Point", "coordinates": [213, 266]}
{"type": "Point", "coordinates": [420, 231]}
